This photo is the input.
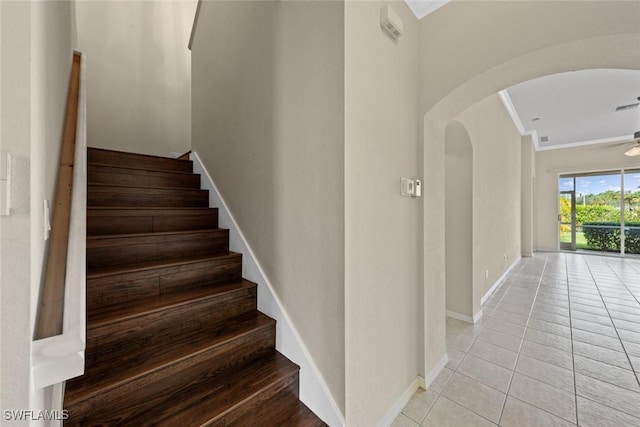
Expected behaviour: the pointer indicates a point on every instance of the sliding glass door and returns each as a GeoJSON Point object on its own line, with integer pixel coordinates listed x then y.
{"type": "Point", "coordinates": [631, 211]}
{"type": "Point", "coordinates": [592, 211]}
{"type": "Point", "coordinates": [567, 219]}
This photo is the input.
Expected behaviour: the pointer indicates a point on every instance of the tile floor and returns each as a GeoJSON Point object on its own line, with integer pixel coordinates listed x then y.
{"type": "Point", "coordinates": [558, 345]}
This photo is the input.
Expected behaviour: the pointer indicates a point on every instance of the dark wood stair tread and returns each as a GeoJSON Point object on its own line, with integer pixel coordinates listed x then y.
{"type": "Point", "coordinates": [153, 237]}
{"type": "Point", "coordinates": [120, 158]}
{"type": "Point", "coordinates": [101, 378]}
{"type": "Point", "coordinates": [114, 195]}
{"type": "Point", "coordinates": [95, 211]}
{"type": "Point", "coordinates": [132, 309]}
{"type": "Point", "coordinates": [128, 154]}
{"type": "Point", "coordinates": [154, 234]}
{"type": "Point", "coordinates": [95, 273]}
{"type": "Point", "coordinates": [302, 416]}
{"type": "Point", "coordinates": [106, 220]}
{"type": "Point", "coordinates": [140, 168]}
{"type": "Point", "coordinates": [133, 248]}
{"type": "Point", "coordinates": [213, 398]}
{"type": "Point", "coordinates": [133, 188]}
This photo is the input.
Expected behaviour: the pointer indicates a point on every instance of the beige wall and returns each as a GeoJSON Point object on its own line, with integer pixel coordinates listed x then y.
{"type": "Point", "coordinates": [382, 236]}
{"type": "Point", "coordinates": [268, 103]}
{"type": "Point", "coordinates": [496, 192]}
{"type": "Point", "coordinates": [36, 57]}
{"type": "Point", "coordinates": [550, 164]}
{"type": "Point", "coordinates": [528, 174]}
{"type": "Point", "coordinates": [471, 50]}
{"type": "Point", "coordinates": [138, 74]}
{"type": "Point", "coordinates": [459, 219]}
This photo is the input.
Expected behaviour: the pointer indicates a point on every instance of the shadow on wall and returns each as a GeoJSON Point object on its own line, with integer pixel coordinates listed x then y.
{"type": "Point", "coordinates": [459, 222]}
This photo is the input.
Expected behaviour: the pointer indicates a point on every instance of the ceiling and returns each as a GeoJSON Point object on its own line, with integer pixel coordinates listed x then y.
{"type": "Point", "coordinates": [568, 109]}
{"type": "Point", "coordinates": [422, 8]}
{"type": "Point", "coordinates": [576, 108]}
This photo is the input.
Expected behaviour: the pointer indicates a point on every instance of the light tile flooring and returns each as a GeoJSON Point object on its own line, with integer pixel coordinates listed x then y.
{"type": "Point", "coordinates": [557, 346]}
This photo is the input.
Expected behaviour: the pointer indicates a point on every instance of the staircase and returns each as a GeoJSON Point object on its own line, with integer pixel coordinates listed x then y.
{"type": "Point", "coordinates": [174, 337]}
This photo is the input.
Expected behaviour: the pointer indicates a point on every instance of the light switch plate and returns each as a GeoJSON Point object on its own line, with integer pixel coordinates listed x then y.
{"type": "Point", "coordinates": [407, 187]}
{"type": "Point", "coordinates": [4, 198]}
{"type": "Point", "coordinates": [5, 184]}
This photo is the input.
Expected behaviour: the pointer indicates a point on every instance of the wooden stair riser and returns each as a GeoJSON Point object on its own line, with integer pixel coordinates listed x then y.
{"type": "Point", "coordinates": [269, 408]}
{"type": "Point", "coordinates": [120, 221]}
{"type": "Point", "coordinates": [99, 195]}
{"type": "Point", "coordinates": [260, 380]}
{"type": "Point", "coordinates": [115, 158]}
{"type": "Point", "coordinates": [119, 338]}
{"type": "Point", "coordinates": [114, 251]}
{"type": "Point", "coordinates": [103, 174]}
{"type": "Point", "coordinates": [116, 288]}
{"type": "Point", "coordinates": [145, 392]}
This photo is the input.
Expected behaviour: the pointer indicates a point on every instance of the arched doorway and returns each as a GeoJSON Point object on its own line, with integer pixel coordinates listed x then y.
{"type": "Point", "coordinates": [609, 51]}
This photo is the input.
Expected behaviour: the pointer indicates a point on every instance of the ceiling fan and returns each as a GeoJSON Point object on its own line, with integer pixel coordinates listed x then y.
{"type": "Point", "coordinates": [635, 150]}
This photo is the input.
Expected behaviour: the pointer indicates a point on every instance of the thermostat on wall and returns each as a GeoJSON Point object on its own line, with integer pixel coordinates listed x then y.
{"type": "Point", "coordinates": [391, 23]}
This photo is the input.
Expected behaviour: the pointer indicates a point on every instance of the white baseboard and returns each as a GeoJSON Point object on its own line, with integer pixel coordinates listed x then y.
{"type": "Point", "coordinates": [314, 391]}
{"type": "Point", "coordinates": [498, 282]}
{"type": "Point", "coordinates": [435, 371]}
{"type": "Point", "coordinates": [477, 317]}
{"type": "Point", "coordinates": [401, 402]}
{"type": "Point", "coordinates": [456, 315]}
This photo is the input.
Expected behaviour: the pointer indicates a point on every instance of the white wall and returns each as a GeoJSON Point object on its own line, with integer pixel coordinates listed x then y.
{"type": "Point", "coordinates": [471, 50]}
{"type": "Point", "coordinates": [15, 327]}
{"type": "Point", "coordinates": [496, 192]}
{"type": "Point", "coordinates": [382, 235]}
{"type": "Point", "coordinates": [36, 59]}
{"type": "Point", "coordinates": [459, 219]}
{"type": "Point", "coordinates": [268, 123]}
{"type": "Point", "coordinates": [550, 164]}
{"type": "Point", "coordinates": [138, 74]}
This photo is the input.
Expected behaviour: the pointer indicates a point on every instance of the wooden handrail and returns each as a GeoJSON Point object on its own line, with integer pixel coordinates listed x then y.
{"type": "Point", "coordinates": [51, 309]}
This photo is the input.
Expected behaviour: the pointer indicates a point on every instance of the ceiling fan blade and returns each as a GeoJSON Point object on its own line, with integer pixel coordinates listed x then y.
{"type": "Point", "coordinates": [634, 151]}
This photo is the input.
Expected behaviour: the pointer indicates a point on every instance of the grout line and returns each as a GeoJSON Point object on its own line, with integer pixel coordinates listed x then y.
{"type": "Point", "coordinates": [544, 266]}
{"type": "Point", "coordinates": [475, 338]}
{"type": "Point", "coordinates": [510, 291]}
{"type": "Point", "coordinates": [573, 358]}
{"type": "Point", "coordinates": [614, 325]}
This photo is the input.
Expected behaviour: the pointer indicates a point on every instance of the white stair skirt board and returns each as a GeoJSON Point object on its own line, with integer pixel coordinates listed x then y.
{"type": "Point", "coordinates": [313, 389]}
{"type": "Point", "coordinates": [401, 402]}
{"type": "Point", "coordinates": [499, 281]}
{"type": "Point", "coordinates": [475, 319]}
